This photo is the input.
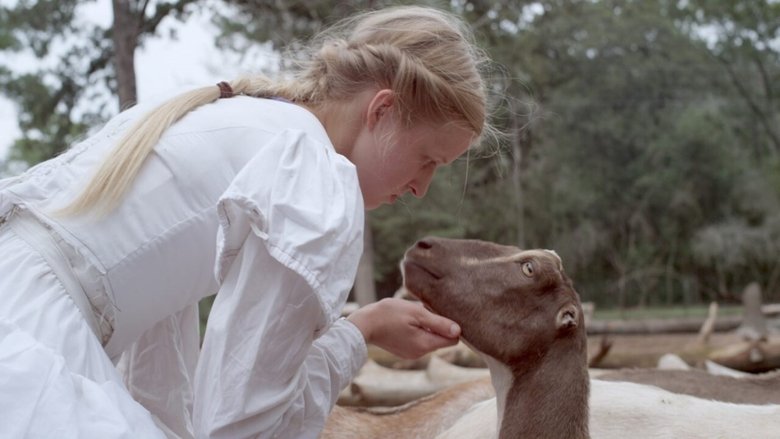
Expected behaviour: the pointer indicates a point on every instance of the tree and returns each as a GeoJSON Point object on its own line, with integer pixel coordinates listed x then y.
{"type": "Point", "coordinates": [80, 62]}
{"type": "Point", "coordinates": [742, 37]}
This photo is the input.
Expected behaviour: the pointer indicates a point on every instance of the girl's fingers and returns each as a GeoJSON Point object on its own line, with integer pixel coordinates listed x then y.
{"type": "Point", "coordinates": [439, 325]}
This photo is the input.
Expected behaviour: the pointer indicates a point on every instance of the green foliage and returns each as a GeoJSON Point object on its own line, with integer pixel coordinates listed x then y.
{"type": "Point", "coordinates": [38, 24]}
{"type": "Point", "coordinates": [284, 23]}
{"type": "Point", "coordinates": [639, 146]}
{"type": "Point", "coordinates": [7, 39]}
{"type": "Point", "coordinates": [46, 124]}
{"type": "Point", "coordinates": [48, 97]}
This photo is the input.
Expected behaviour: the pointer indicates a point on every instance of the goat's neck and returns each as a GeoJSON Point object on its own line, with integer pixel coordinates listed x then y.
{"type": "Point", "coordinates": [546, 400]}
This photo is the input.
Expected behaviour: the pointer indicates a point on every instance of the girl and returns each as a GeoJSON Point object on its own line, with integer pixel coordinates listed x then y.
{"type": "Point", "coordinates": [253, 189]}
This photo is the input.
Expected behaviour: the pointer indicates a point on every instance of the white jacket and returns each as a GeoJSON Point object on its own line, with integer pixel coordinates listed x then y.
{"type": "Point", "coordinates": [246, 197]}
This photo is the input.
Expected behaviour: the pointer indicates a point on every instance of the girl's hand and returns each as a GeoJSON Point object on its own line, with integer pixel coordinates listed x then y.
{"type": "Point", "coordinates": [404, 328]}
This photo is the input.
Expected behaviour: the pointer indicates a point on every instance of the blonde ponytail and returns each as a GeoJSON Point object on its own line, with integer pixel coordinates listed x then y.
{"type": "Point", "coordinates": [120, 168]}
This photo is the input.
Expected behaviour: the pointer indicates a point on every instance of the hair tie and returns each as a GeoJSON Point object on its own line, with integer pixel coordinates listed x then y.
{"type": "Point", "coordinates": [225, 90]}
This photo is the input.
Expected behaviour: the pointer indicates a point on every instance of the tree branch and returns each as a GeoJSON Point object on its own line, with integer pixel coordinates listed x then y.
{"type": "Point", "coordinates": [149, 24]}
{"type": "Point", "coordinates": [754, 107]}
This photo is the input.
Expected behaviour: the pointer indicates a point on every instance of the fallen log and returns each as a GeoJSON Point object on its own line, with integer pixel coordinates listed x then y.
{"type": "Point", "coordinates": [661, 326]}
{"type": "Point", "coordinates": [753, 325]}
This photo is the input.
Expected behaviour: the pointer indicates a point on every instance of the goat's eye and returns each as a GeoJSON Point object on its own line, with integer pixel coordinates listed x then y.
{"type": "Point", "coordinates": [528, 269]}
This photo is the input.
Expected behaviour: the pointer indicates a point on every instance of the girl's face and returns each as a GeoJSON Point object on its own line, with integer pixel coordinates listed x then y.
{"type": "Point", "coordinates": [392, 160]}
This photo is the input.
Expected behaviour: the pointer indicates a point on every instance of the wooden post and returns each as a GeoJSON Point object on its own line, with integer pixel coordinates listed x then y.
{"type": "Point", "coordinates": [365, 290]}
{"type": "Point", "coordinates": [753, 325]}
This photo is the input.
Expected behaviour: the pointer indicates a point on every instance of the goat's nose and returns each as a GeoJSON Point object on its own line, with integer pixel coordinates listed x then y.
{"type": "Point", "coordinates": [424, 244]}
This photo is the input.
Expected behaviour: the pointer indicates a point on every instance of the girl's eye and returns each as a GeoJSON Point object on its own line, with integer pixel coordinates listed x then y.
{"type": "Point", "coordinates": [528, 269]}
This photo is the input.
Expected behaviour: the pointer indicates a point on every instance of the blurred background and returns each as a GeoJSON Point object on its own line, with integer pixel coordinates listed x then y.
{"type": "Point", "coordinates": [641, 138]}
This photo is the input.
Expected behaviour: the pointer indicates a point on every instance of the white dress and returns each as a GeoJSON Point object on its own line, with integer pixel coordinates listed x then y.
{"type": "Point", "coordinates": [243, 197]}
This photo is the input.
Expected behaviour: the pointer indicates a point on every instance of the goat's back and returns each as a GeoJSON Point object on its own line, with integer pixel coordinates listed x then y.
{"type": "Point", "coordinates": [760, 389]}
{"type": "Point", "coordinates": [423, 418]}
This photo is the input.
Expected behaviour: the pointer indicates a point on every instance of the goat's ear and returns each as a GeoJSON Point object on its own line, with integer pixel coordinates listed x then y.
{"type": "Point", "coordinates": [567, 317]}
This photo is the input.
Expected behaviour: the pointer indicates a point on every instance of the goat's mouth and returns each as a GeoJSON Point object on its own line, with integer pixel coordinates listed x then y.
{"type": "Point", "coordinates": [420, 283]}
{"type": "Point", "coordinates": [412, 265]}
{"type": "Point", "coordinates": [412, 273]}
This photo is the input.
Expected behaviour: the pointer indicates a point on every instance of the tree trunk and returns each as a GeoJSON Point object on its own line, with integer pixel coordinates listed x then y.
{"type": "Point", "coordinates": [125, 37]}
{"type": "Point", "coordinates": [519, 138]}
{"type": "Point", "coordinates": [365, 291]}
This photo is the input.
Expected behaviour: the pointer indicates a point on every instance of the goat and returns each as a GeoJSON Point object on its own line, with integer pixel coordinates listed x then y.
{"type": "Point", "coordinates": [420, 419]}
{"type": "Point", "coordinates": [505, 291]}
{"type": "Point", "coordinates": [519, 310]}
{"type": "Point", "coordinates": [377, 385]}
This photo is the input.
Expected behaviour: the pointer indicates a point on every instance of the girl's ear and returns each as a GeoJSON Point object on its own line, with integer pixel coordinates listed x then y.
{"type": "Point", "coordinates": [379, 106]}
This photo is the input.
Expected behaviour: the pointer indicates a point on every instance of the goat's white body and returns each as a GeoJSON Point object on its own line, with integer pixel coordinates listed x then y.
{"type": "Point", "coordinates": [619, 410]}
{"type": "Point", "coordinates": [474, 423]}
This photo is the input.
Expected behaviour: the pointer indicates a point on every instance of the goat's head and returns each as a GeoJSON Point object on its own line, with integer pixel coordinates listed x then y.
{"type": "Point", "coordinates": [512, 305]}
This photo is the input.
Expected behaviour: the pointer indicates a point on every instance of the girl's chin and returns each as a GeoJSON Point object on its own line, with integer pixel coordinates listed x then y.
{"type": "Point", "coordinates": [372, 205]}
{"type": "Point", "coordinates": [390, 199]}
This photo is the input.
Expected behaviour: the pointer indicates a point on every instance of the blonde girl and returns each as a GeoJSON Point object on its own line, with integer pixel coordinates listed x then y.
{"type": "Point", "coordinates": [254, 189]}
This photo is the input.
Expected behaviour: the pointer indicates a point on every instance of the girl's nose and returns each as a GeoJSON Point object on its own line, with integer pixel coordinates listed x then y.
{"type": "Point", "coordinates": [419, 187]}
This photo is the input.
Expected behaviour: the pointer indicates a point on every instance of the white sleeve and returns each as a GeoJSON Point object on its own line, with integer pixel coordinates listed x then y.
{"type": "Point", "coordinates": [333, 362]}
{"type": "Point", "coordinates": [261, 374]}
{"type": "Point", "coordinates": [288, 246]}
{"type": "Point", "coordinates": [303, 200]}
